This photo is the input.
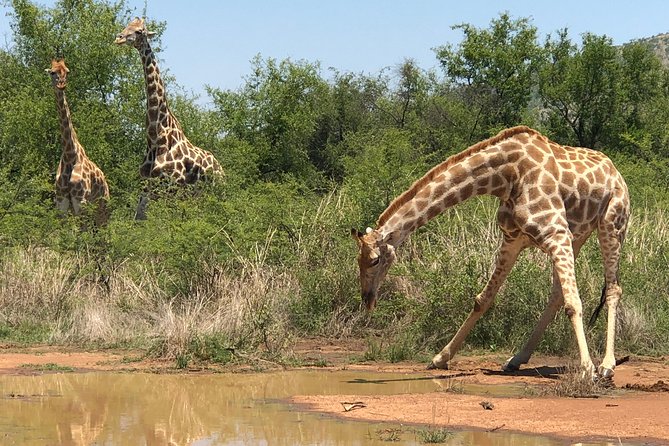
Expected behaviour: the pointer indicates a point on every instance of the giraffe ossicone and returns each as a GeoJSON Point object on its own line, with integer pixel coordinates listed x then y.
{"type": "Point", "coordinates": [551, 197]}
{"type": "Point", "coordinates": [78, 179]}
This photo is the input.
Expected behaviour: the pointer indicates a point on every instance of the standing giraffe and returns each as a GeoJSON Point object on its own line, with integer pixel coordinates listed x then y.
{"type": "Point", "coordinates": [551, 196]}
{"type": "Point", "coordinates": [169, 153]}
{"type": "Point", "coordinates": [78, 179]}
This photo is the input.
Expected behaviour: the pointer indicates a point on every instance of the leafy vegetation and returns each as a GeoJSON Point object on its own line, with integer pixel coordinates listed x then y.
{"type": "Point", "coordinates": [256, 261]}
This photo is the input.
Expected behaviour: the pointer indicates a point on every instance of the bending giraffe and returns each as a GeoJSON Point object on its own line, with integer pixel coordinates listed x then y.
{"type": "Point", "coordinates": [169, 152]}
{"type": "Point", "coordinates": [551, 197]}
{"type": "Point", "coordinates": [78, 179]}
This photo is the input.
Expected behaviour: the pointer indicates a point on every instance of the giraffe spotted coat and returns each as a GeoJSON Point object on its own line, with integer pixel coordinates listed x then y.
{"type": "Point", "coordinates": [551, 197]}
{"type": "Point", "coordinates": [78, 179]}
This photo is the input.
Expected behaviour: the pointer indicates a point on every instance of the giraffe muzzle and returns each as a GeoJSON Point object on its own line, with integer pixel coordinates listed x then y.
{"type": "Point", "coordinates": [369, 299]}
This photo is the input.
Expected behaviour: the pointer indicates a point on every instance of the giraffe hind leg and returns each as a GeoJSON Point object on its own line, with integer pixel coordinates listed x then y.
{"type": "Point", "coordinates": [612, 229]}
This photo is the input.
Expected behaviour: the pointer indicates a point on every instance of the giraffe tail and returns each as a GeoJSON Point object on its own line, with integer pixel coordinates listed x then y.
{"type": "Point", "coordinates": [595, 314]}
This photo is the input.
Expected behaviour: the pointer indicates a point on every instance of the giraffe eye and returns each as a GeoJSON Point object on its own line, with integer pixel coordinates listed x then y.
{"type": "Point", "coordinates": [375, 261]}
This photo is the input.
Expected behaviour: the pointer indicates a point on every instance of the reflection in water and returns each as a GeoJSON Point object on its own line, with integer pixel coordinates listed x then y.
{"type": "Point", "coordinates": [231, 409]}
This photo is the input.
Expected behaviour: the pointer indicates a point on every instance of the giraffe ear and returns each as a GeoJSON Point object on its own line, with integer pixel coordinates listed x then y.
{"type": "Point", "coordinates": [356, 235]}
{"type": "Point", "coordinates": [150, 34]}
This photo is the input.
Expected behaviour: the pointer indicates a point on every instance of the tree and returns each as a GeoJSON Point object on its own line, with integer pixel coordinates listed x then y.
{"type": "Point", "coordinates": [277, 112]}
{"type": "Point", "coordinates": [495, 69]}
{"type": "Point", "coordinates": [598, 95]}
{"type": "Point", "coordinates": [580, 89]}
{"type": "Point", "coordinates": [105, 89]}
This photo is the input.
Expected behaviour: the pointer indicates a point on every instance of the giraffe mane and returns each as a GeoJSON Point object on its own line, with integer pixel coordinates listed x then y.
{"type": "Point", "coordinates": [410, 193]}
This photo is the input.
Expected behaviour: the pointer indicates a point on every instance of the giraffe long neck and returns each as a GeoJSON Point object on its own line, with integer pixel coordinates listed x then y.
{"type": "Point", "coordinates": [72, 150]}
{"type": "Point", "coordinates": [158, 113]}
{"type": "Point", "coordinates": [443, 187]}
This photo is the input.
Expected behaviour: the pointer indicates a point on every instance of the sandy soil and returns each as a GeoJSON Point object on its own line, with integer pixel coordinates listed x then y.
{"type": "Point", "coordinates": [636, 409]}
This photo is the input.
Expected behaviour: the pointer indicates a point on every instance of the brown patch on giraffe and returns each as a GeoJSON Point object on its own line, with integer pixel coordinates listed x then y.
{"type": "Point", "coordinates": [567, 178]}
{"type": "Point", "coordinates": [466, 191]}
{"type": "Point", "coordinates": [395, 220]}
{"type": "Point", "coordinates": [477, 160]}
{"type": "Point", "coordinates": [513, 157]}
{"type": "Point", "coordinates": [421, 205]}
{"type": "Point", "coordinates": [583, 186]}
{"type": "Point", "coordinates": [451, 199]}
{"type": "Point", "coordinates": [424, 193]}
{"type": "Point", "coordinates": [440, 189]}
{"type": "Point", "coordinates": [543, 220]}
{"type": "Point", "coordinates": [542, 145]}
{"type": "Point", "coordinates": [484, 182]}
{"type": "Point", "coordinates": [511, 146]}
{"type": "Point", "coordinates": [536, 155]}
{"type": "Point", "coordinates": [538, 206]}
{"type": "Point", "coordinates": [458, 174]}
{"type": "Point", "coordinates": [549, 188]}
{"type": "Point", "coordinates": [434, 211]}
{"type": "Point", "coordinates": [551, 167]}
{"type": "Point", "coordinates": [556, 202]}
{"type": "Point", "coordinates": [576, 213]}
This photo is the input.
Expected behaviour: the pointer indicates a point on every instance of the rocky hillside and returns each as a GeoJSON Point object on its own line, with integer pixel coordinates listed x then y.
{"type": "Point", "coordinates": [660, 44]}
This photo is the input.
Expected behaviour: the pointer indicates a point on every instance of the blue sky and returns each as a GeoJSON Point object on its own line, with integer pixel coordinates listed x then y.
{"type": "Point", "coordinates": [211, 42]}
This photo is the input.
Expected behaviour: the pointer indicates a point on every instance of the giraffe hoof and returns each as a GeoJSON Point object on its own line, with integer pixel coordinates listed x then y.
{"type": "Point", "coordinates": [433, 366]}
{"type": "Point", "coordinates": [605, 373]}
{"type": "Point", "coordinates": [509, 366]}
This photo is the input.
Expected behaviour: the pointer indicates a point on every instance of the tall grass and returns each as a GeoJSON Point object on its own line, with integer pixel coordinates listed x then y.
{"type": "Point", "coordinates": [299, 277]}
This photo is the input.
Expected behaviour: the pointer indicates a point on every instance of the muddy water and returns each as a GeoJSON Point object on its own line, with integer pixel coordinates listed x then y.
{"type": "Point", "coordinates": [207, 410]}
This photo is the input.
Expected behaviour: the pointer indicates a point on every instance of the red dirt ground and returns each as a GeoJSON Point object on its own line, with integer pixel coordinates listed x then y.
{"type": "Point", "coordinates": [636, 410]}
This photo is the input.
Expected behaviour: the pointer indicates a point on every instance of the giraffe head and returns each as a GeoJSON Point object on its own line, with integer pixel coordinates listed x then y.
{"type": "Point", "coordinates": [58, 73]}
{"type": "Point", "coordinates": [375, 256]}
{"type": "Point", "coordinates": [134, 34]}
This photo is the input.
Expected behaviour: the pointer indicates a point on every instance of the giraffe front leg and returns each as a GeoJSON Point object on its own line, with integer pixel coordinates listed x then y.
{"type": "Point", "coordinates": [76, 206]}
{"type": "Point", "coordinates": [481, 304]}
{"type": "Point", "coordinates": [142, 204]}
{"type": "Point", "coordinates": [506, 258]}
{"type": "Point", "coordinates": [62, 203]}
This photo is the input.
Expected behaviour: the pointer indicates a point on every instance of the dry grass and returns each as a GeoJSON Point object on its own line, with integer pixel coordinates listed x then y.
{"type": "Point", "coordinates": [574, 383]}
{"type": "Point", "coordinates": [245, 306]}
{"type": "Point", "coordinates": [34, 283]}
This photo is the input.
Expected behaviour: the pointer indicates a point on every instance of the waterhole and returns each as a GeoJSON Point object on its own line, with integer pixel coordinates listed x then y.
{"type": "Point", "coordinates": [219, 409]}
